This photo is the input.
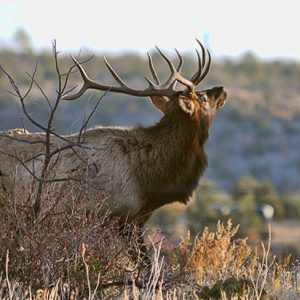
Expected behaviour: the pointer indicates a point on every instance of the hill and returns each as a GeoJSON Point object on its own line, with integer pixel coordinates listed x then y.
{"type": "Point", "coordinates": [257, 133]}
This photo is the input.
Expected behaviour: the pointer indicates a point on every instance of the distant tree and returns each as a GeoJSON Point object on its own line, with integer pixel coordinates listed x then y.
{"type": "Point", "coordinates": [266, 194]}
{"type": "Point", "coordinates": [244, 186]}
{"type": "Point", "coordinates": [291, 205]}
{"type": "Point", "coordinates": [22, 41]}
{"type": "Point", "coordinates": [244, 194]}
{"type": "Point", "coordinates": [250, 64]}
{"type": "Point", "coordinates": [171, 221]}
{"type": "Point", "coordinates": [201, 211]}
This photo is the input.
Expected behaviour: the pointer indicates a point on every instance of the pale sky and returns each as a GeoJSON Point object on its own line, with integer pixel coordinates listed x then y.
{"type": "Point", "coordinates": [229, 27]}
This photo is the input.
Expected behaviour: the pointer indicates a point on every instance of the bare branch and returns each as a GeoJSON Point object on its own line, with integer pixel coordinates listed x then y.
{"type": "Point", "coordinates": [85, 124]}
{"type": "Point", "coordinates": [21, 163]}
{"type": "Point", "coordinates": [40, 89]}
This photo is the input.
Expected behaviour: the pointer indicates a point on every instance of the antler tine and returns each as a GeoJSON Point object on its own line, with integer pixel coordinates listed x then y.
{"type": "Point", "coordinates": [206, 69]}
{"type": "Point", "coordinates": [86, 82]}
{"type": "Point", "coordinates": [171, 66]}
{"type": "Point", "coordinates": [154, 75]}
{"type": "Point", "coordinates": [114, 74]}
{"type": "Point", "coordinates": [203, 53]}
{"type": "Point", "coordinates": [198, 76]}
{"type": "Point", "coordinates": [179, 67]}
{"type": "Point", "coordinates": [175, 75]}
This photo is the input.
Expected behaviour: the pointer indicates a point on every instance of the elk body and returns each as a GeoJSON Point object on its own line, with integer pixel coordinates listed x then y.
{"type": "Point", "coordinates": [139, 168]}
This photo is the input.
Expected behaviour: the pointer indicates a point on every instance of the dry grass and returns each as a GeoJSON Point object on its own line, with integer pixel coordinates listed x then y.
{"type": "Point", "coordinates": [73, 252]}
{"type": "Point", "coordinates": [216, 256]}
{"type": "Point", "coordinates": [214, 266]}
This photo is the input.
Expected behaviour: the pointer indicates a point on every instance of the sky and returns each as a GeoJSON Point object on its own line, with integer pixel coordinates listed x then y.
{"type": "Point", "coordinates": [269, 29]}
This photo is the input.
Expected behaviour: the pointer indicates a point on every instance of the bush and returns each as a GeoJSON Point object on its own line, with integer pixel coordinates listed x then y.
{"type": "Point", "coordinates": [215, 266]}
{"type": "Point", "coordinates": [49, 249]}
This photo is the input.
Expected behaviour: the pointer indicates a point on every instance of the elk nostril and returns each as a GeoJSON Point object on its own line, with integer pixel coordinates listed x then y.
{"type": "Point", "coordinates": [218, 90]}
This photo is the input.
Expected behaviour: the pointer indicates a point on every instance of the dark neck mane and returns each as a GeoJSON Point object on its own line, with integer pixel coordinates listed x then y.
{"type": "Point", "coordinates": [177, 159]}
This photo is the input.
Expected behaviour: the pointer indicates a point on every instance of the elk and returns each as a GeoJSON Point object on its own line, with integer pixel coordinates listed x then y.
{"type": "Point", "coordinates": [140, 168]}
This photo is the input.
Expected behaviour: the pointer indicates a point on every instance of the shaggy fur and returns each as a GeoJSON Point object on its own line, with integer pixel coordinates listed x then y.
{"type": "Point", "coordinates": [141, 169]}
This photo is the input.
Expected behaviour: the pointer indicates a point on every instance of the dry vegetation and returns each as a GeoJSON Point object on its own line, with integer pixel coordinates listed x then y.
{"type": "Point", "coordinates": [101, 263]}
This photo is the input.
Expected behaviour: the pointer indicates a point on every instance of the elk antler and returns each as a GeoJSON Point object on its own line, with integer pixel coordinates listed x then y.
{"type": "Point", "coordinates": [154, 89]}
{"type": "Point", "coordinates": [199, 76]}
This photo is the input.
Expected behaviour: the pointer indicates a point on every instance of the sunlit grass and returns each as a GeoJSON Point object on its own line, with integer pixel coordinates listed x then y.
{"type": "Point", "coordinates": [216, 265]}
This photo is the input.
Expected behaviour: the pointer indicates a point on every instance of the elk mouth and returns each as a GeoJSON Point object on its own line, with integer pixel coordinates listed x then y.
{"type": "Point", "coordinates": [217, 92]}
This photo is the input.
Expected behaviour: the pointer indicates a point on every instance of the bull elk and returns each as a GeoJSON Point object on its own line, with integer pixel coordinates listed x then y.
{"type": "Point", "coordinates": [140, 168]}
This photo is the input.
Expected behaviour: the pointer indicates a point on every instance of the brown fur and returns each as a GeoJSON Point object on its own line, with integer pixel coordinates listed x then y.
{"type": "Point", "coordinates": [140, 168]}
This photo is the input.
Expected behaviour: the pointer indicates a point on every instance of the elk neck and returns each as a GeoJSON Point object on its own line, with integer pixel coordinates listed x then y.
{"type": "Point", "coordinates": [175, 160]}
{"type": "Point", "coordinates": [181, 135]}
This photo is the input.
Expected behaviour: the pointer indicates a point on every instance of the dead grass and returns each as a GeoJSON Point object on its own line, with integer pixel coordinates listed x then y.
{"type": "Point", "coordinates": [215, 265]}
{"type": "Point", "coordinates": [216, 255]}
{"type": "Point", "coordinates": [72, 251]}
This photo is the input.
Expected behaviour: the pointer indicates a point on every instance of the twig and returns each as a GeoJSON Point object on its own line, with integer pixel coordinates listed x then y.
{"type": "Point", "coordinates": [155, 271]}
{"type": "Point", "coordinates": [83, 251]}
{"type": "Point", "coordinates": [85, 123]}
{"type": "Point", "coordinates": [10, 292]}
{"type": "Point", "coordinates": [261, 278]}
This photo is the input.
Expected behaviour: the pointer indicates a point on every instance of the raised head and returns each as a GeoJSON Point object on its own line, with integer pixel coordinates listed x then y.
{"type": "Point", "coordinates": [166, 95]}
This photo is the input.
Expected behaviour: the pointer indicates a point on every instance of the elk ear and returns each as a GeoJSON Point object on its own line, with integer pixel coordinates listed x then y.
{"type": "Point", "coordinates": [187, 105]}
{"type": "Point", "coordinates": [159, 102]}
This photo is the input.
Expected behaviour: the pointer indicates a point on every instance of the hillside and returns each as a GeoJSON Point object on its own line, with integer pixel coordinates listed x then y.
{"type": "Point", "coordinates": [252, 180]}
{"type": "Point", "coordinates": [257, 133]}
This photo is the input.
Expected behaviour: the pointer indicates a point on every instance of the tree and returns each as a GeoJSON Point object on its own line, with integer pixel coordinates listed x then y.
{"type": "Point", "coordinates": [244, 194]}
{"type": "Point", "coordinates": [202, 211]}
{"type": "Point", "coordinates": [266, 194]}
{"type": "Point", "coordinates": [22, 41]}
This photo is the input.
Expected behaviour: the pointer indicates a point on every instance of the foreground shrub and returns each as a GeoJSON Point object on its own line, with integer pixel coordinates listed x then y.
{"type": "Point", "coordinates": [216, 255]}
{"type": "Point", "coordinates": [67, 237]}
{"type": "Point", "coordinates": [75, 253]}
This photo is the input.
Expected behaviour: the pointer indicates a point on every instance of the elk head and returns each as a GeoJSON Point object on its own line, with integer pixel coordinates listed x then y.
{"type": "Point", "coordinates": [197, 105]}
